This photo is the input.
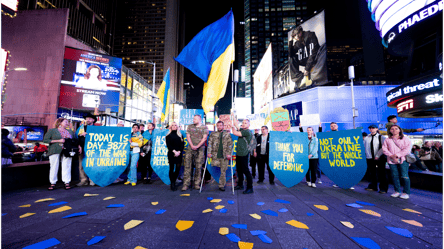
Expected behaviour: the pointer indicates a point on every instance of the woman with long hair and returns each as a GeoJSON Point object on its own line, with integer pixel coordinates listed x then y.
{"type": "Point", "coordinates": [175, 144]}
{"type": "Point", "coordinates": [312, 158]}
{"type": "Point", "coordinates": [396, 147]}
{"type": "Point", "coordinates": [56, 138]}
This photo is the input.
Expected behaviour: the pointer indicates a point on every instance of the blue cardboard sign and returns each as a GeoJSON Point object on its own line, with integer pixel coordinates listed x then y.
{"type": "Point", "coordinates": [106, 153]}
{"type": "Point", "coordinates": [187, 115]}
{"type": "Point", "coordinates": [342, 156]}
{"type": "Point", "coordinates": [289, 156]}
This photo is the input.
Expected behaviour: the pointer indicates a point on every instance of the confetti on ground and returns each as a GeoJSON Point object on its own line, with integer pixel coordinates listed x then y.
{"type": "Point", "coordinates": [240, 226]}
{"type": "Point", "coordinates": [270, 212]}
{"type": "Point", "coordinates": [245, 245]}
{"type": "Point", "coordinates": [223, 230]}
{"type": "Point", "coordinates": [161, 211]}
{"type": "Point", "coordinates": [132, 223]}
{"type": "Point", "coordinates": [400, 231]}
{"type": "Point", "coordinates": [297, 224]}
{"type": "Point", "coordinates": [215, 200]}
{"type": "Point", "coordinates": [44, 244]}
{"type": "Point", "coordinates": [256, 216]}
{"type": "Point", "coordinates": [219, 206]}
{"type": "Point", "coordinates": [115, 206]}
{"type": "Point", "coordinates": [95, 240]}
{"type": "Point", "coordinates": [183, 225]}
{"type": "Point", "coordinates": [265, 238]}
{"type": "Point", "coordinates": [321, 207]}
{"type": "Point", "coordinates": [185, 195]}
{"type": "Point", "coordinates": [230, 202]}
{"type": "Point", "coordinates": [283, 210]}
{"type": "Point", "coordinates": [47, 199]}
{"type": "Point", "coordinates": [257, 232]}
{"type": "Point", "coordinates": [87, 195]}
{"type": "Point", "coordinates": [413, 222]}
{"type": "Point", "coordinates": [209, 198]}
{"type": "Point", "coordinates": [354, 205]}
{"type": "Point", "coordinates": [75, 215]}
{"type": "Point", "coordinates": [371, 212]}
{"type": "Point", "coordinates": [26, 215]}
{"type": "Point", "coordinates": [233, 237]}
{"type": "Point", "coordinates": [260, 203]}
{"type": "Point", "coordinates": [25, 206]}
{"type": "Point", "coordinates": [57, 204]}
{"type": "Point", "coordinates": [139, 247]}
{"type": "Point", "coordinates": [366, 242]}
{"type": "Point", "coordinates": [60, 209]}
{"type": "Point", "coordinates": [207, 210]}
{"type": "Point", "coordinates": [282, 201]}
{"type": "Point", "coordinates": [108, 198]}
{"type": "Point", "coordinates": [223, 210]}
{"type": "Point", "coordinates": [310, 214]}
{"type": "Point", "coordinates": [154, 203]}
{"type": "Point", "coordinates": [365, 203]}
{"type": "Point", "coordinates": [347, 224]}
{"type": "Point", "coordinates": [412, 211]}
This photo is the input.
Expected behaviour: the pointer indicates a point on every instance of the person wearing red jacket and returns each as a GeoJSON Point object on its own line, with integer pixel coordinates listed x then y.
{"type": "Point", "coordinates": [39, 149]}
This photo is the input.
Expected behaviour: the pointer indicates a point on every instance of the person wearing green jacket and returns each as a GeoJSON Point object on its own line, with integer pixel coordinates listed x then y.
{"type": "Point", "coordinates": [393, 120]}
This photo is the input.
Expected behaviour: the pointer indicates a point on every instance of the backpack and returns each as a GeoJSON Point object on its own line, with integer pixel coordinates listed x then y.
{"type": "Point", "coordinates": [252, 145]}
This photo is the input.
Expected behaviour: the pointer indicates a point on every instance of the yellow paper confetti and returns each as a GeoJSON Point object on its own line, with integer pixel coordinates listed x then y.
{"type": "Point", "coordinates": [47, 199]}
{"type": "Point", "coordinates": [322, 207]}
{"type": "Point", "coordinates": [183, 225]}
{"type": "Point", "coordinates": [59, 210]}
{"type": "Point", "coordinates": [215, 200]}
{"type": "Point", "coordinates": [219, 207]}
{"type": "Point", "coordinates": [412, 211]}
{"type": "Point", "coordinates": [413, 222]}
{"type": "Point", "coordinates": [371, 212]}
{"type": "Point", "coordinates": [185, 195]}
{"type": "Point", "coordinates": [347, 224]}
{"type": "Point", "coordinates": [297, 224]}
{"type": "Point", "coordinates": [256, 216]}
{"type": "Point", "coordinates": [207, 211]}
{"type": "Point", "coordinates": [154, 203]}
{"type": "Point", "coordinates": [26, 215]}
{"type": "Point", "coordinates": [109, 198]}
{"type": "Point", "coordinates": [223, 231]}
{"type": "Point", "coordinates": [132, 223]}
{"type": "Point", "coordinates": [25, 206]}
{"type": "Point", "coordinates": [139, 247]}
{"type": "Point", "coordinates": [245, 245]}
{"type": "Point", "coordinates": [85, 195]}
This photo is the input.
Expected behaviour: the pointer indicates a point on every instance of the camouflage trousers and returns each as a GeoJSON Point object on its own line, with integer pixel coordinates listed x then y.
{"type": "Point", "coordinates": [198, 157]}
{"type": "Point", "coordinates": [223, 164]}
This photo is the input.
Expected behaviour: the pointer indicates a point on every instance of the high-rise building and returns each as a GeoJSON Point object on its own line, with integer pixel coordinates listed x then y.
{"type": "Point", "coordinates": [148, 33]}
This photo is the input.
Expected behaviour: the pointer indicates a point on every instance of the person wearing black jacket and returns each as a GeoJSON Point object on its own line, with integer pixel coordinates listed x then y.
{"type": "Point", "coordinates": [253, 159]}
{"type": "Point", "coordinates": [175, 144]}
{"type": "Point", "coordinates": [262, 154]}
{"type": "Point", "coordinates": [145, 155]}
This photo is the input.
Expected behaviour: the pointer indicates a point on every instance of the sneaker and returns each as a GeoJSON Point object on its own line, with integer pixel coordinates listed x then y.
{"type": "Point", "coordinates": [128, 182]}
{"type": "Point", "coordinates": [184, 188]}
{"type": "Point", "coordinates": [319, 181]}
{"type": "Point", "coordinates": [196, 187]}
{"type": "Point", "coordinates": [91, 183]}
{"type": "Point", "coordinates": [404, 196]}
{"type": "Point", "coordinates": [395, 195]}
{"type": "Point", "coordinates": [133, 184]}
{"type": "Point", "coordinates": [313, 185]}
{"type": "Point", "coordinates": [335, 186]}
{"type": "Point", "coordinates": [309, 184]}
{"type": "Point", "coordinates": [352, 188]}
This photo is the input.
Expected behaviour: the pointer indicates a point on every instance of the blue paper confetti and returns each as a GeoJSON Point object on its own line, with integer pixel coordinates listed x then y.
{"type": "Point", "coordinates": [282, 201]}
{"type": "Point", "coordinates": [75, 215]}
{"type": "Point", "coordinates": [310, 214]}
{"type": "Point", "coordinates": [115, 206]}
{"type": "Point", "coordinates": [233, 237]}
{"type": "Point", "coordinates": [57, 203]}
{"type": "Point", "coordinates": [260, 203]}
{"type": "Point", "coordinates": [270, 212]}
{"type": "Point", "coordinates": [257, 232]}
{"type": "Point", "coordinates": [43, 244]}
{"type": "Point", "coordinates": [223, 210]}
{"type": "Point", "coordinates": [161, 211]}
{"type": "Point", "coordinates": [366, 242]}
{"type": "Point", "coordinates": [95, 240]}
{"type": "Point", "coordinates": [4, 214]}
{"type": "Point", "coordinates": [365, 203]}
{"type": "Point", "coordinates": [283, 210]}
{"type": "Point", "coordinates": [265, 238]}
{"type": "Point", "coordinates": [400, 231]}
{"type": "Point", "coordinates": [230, 202]}
{"type": "Point", "coordinates": [240, 226]}
{"type": "Point", "coordinates": [353, 205]}
{"type": "Point", "coordinates": [209, 198]}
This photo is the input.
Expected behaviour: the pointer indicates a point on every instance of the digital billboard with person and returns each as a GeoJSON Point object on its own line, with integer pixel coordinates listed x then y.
{"type": "Point", "coordinates": [90, 80]}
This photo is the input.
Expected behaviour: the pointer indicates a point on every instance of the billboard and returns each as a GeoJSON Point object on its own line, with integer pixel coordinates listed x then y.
{"type": "Point", "coordinates": [263, 81]}
{"type": "Point", "coordinates": [307, 54]}
{"type": "Point", "coordinates": [90, 80]}
{"type": "Point", "coordinates": [21, 134]}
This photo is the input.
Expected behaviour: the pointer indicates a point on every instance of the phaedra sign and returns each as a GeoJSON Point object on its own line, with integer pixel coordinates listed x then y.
{"type": "Point", "coordinates": [415, 89]}
{"type": "Point", "coordinates": [423, 14]}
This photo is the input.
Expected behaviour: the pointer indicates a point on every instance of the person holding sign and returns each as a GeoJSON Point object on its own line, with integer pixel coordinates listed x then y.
{"type": "Point", "coordinates": [313, 158]}
{"type": "Point", "coordinates": [396, 147]}
{"type": "Point", "coordinates": [242, 153]}
{"type": "Point", "coordinates": [81, 134]}
{"type": "Point", "coordinates": [262, 152]}
{"type": "Point", "coordinates": [136, 142]}
{"type": "Point", "coordinates": [145, 154]}
{"type": "Point", "coordinates": [220, 146]}
{"type": "Point", "coordinates": [175, 144]}
{"type": "Point", "coordinates": [375, 160]}
{"type": "Point", "coordinates": [196, 136]}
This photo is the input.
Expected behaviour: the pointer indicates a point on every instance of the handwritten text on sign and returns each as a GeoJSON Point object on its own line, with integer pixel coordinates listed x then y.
{"type": "Point", "coordinates": [342, 154]}
{"type": "Point", "coordinates": [106, 149]}
{"type": "Point", "coordinates": [288, 162]}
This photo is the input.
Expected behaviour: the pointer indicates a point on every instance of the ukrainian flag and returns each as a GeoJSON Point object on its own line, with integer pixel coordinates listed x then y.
{"type": "Point", "coordinates": [209, 56]}
{"type": "Point", "coordinates": [164, 95]}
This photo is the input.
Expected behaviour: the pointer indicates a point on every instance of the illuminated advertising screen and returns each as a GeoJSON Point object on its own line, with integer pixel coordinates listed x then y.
{"type": "Point", "coordinates": [308, 53]}
{"type": "Point", "coordinates": [90, 80]}
{"type": "Point", "coordinates": [18, 134]}
{"type": "Point", "coordinates": [263, 81]}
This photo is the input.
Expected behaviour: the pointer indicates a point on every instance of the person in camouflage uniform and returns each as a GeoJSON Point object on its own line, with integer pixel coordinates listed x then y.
{"type": "Point", "coordinates": [196, 136]}
{"type": "Point", "coordinates": [220, 146]}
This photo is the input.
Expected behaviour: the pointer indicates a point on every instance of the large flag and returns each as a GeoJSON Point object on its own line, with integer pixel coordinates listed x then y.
{"type": "Point", "coordinates": [209, 56]}
{"type": "Point", "coordinates": [164, 95]}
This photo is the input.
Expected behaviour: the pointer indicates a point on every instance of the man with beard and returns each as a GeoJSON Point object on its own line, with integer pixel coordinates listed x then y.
{"type": "Point", "coordinates": [220, 146]}
{"type": "Point", "coordinates": [81, 134]}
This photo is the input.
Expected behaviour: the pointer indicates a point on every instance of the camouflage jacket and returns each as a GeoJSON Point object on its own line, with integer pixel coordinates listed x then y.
{"type": "Point", "coordinates": [213, 143]}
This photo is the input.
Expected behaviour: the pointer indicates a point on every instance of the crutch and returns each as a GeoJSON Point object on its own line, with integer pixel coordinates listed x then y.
{"type": "Point", "coordinates": [232, 178]}
{"type": "Point", "coordinates": [203, 177]}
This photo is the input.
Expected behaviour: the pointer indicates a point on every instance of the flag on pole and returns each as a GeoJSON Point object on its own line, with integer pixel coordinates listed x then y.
{"type": "Point", "coordinates": [164, 95]}
{"type": "Point", "coordinates": [209, 56]}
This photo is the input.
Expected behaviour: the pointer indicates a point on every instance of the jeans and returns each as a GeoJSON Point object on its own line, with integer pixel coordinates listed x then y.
{"type": "Point", "coordinates": [132, 175]}
{"type": "Point", "coordinates": [399, 171]}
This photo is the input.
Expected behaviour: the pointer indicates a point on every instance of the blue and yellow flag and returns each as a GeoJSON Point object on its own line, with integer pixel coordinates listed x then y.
{"type": "Point", "coordinates": [209, 56]}
{"type": "Point", "coordinates": [164, 95]}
